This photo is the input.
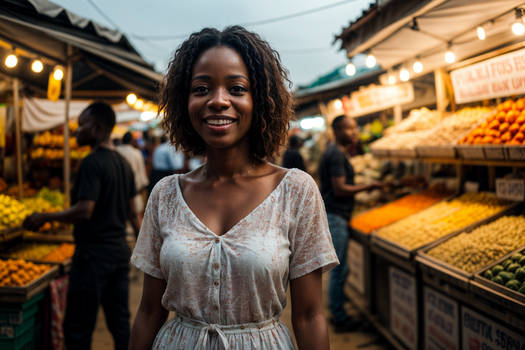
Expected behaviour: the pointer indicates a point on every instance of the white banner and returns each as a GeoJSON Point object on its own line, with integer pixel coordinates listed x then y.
{"type": "Point", "coordinates": [403, 307]}
{"type": "Point", "coordinates": [497, 77]}
{"type": "Point", "coordinates": [441, 321]}
{"type": "Point", "coordinates": [376, 98]}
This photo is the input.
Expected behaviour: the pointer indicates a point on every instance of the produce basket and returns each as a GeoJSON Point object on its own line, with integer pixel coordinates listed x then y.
{"type": "Point", "coordinates": [515, 295]}
{"type": "Point", "coordinates": [380, 152]}
{"type": "Point", "coordinates": [470, 152]}
{"type": "Point", "coordinates": [10, 234]}
{"type": "Point", "coordinates": [24, 293]}
{"type": "Point", "coordinates": [495, 152]}
{"type": "Point", "coordinates": [515, 152]}
{"type": "Point", "coordinates": [445, 151]}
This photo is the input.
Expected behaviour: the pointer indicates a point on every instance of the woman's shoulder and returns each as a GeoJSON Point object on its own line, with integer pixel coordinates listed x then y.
{"type": "Point", "coordinates": [166, 185]}
{"type": "Point", "coordinates": [299, 180]}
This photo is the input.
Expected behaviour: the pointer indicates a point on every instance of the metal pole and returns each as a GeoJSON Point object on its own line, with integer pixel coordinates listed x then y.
{"type": "Point", "coordinates": [67, 159]}
{"type": "Point", "coordinates": [18, 137]}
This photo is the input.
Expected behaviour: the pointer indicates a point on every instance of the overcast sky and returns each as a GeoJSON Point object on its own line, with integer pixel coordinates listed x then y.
{"type": "Point", "coordinates": [304, 42]}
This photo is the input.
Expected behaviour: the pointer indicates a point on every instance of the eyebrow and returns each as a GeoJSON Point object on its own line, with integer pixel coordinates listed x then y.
{"type": "Point", "coordinates": [229, 77]}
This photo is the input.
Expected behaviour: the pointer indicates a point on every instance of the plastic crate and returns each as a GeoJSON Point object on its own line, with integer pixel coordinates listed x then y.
{"type": "Point", "coordinates": [17, 313]}
{"type": "Point", "coordinates": [24, 341]}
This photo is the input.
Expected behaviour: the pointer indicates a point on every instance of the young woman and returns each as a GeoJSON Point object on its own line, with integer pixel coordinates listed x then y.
{"type": "Point", "coordinates": [219, 245]}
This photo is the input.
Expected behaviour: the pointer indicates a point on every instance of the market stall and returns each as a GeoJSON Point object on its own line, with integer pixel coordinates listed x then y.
{"type": "Point", "coordinates": [449, 275]}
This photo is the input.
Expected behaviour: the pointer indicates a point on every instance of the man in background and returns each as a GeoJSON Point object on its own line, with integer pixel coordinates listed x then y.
{"type": "Point", "coordinates": [292, 158]}
{"type": "Point", "coordinates": [338, 189]}
{"type": "Point", "coordinates": [102, 202]}
{"type": "Point", "coordinates": [166, 161]}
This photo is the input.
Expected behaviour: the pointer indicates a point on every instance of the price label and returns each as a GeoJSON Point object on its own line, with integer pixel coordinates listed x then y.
{"type": "Point", "coordinates": [513, 189]}
{"type": "Point", "coordinates": [441, 321]}
{"type": "Point", "coordinates": [403, 307]}
{"type": "Point", "coordinates": [482, 333]}
{"type": "Point", "coordinates": [356, 262]}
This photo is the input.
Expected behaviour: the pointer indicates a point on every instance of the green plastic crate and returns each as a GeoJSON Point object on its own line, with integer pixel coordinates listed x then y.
{"type": "Point", "coordinates": [25, 341]}
{"type": "Point", "coordinates": [17, 313]}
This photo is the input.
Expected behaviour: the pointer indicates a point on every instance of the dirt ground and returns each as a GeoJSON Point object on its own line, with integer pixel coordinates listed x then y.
{"type": "Point", "coordinates": [367, 339]}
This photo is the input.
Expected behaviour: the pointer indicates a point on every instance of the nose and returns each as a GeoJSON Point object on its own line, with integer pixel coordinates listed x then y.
{"type": "Point", "coordinates": [219, 99]}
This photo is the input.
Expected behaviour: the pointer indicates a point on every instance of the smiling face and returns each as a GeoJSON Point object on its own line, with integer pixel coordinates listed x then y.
{"type": "Point", "coordinates": [220, 102]}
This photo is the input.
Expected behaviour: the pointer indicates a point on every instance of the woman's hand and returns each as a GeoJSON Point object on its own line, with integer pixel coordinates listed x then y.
{"type": "Point", "coordinates": [309, 322]}
{"type": "Point", "coordinates": [150, 316]}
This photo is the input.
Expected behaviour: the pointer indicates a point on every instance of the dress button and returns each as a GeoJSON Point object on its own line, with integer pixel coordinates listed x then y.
{"type": "Point", "coordinates": [215, 307]}
{"type": "Point", "coordinates": [216, 283]}
{"type": "Point", "coordinates": [216, 266]}
{"type": "Point", "coordinates": [217, 240]}
{"type": "Point", "coordinates": [241, 327]}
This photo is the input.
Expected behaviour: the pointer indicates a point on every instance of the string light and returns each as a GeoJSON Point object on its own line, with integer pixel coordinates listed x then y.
{"type": "Point", "coordinates": [139, 104]}
{"type": "Point", "coordinates": [404, 74]}
{"type": "Point", "coordinates": [370, 61]}
{"type": "Point", "coordinates": [450, 57]}
{"type": "Point", "coordinates": [37, 66]}
{"type": "Point", "coordinates": [481, 33]}
{"type": "Point", "coordinates": [131, 99]}
{"type": "Point", "coordinates": [350, 69]}
{"type": "Point", "coordinates": [417, 67]}
{"type": "Point", "coordinates": [391, 79]}
{"type": "Point", "coordinates": [517, 27]}
{"type": "Point", "coordinates": [58, 73]}
{"type": "Point", "coordinates": [11, 61]}
{"type": "Point", "coordinates": [338, 104]}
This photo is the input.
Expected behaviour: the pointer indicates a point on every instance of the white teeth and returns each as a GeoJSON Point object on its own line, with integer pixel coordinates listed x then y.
{"type": "Point", "coordinates": [218, 122]}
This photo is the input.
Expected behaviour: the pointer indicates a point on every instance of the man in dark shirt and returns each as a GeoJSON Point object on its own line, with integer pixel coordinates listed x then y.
{"type": "Point", "coordinates": [338, 189]}
{"type": "Point", "coordinates": [291, 157]}
{"type": "Point", "coordinates": [102, 201]}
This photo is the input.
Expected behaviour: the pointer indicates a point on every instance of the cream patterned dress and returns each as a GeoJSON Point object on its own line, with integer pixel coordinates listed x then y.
{"type": "Point", "coordinates": [228, 291]}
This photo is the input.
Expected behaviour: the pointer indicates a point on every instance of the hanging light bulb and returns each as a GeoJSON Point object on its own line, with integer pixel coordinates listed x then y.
{"type": "Point", "coordinates": [450, 57]}
{"type": "Point", "coordinates": [58, 73]}
{"type": "Point", "coordinates": [481, 33]}
{"type": "Point", "coordinates": [391, 79]}
{"type": "Point", "coordinates": [131, 99]}
{"type": "Point", "coordinates": [417, 67]}
{"type": "Point", "coordinates": [350, 69]}
{"type": "Point", "coordinates": [370, 61]}
{"type": "Point", "coordinates": [404, 74]}
{"type": "Point", "coordinates": [37, 66]}
{"type": "Point", "coordinates": [338, 104]}
{"type": "Point", "coordinates": [139, 104]}
{"type": "Point", "coordinates": [518, 28]}
{"type": "Point", "coordinates": [11, 61]}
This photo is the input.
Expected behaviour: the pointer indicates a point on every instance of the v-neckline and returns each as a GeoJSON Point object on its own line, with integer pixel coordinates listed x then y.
{"type": "Point", "coordinates": [187, 207]}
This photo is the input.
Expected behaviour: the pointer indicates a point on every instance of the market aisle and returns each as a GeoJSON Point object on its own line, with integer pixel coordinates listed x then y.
{"type": "Point", "coordinates": [346, 341]}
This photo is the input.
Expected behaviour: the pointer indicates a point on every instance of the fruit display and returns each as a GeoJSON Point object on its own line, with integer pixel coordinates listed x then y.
{"type": "Point", "coordinates": [472, 251]}
{"type": "Point", "coordinates": [38, 204]}
{"type": "Point", "coordinates": [367, 168]}
{"type": "Point", "coordinates": [12, 212]}
{"type": "Point", "coordinates": [27, 190]}
{"type": "Point", "coordinates": [510, 273]}
{"type": "Point", "coordinates": [31, 251]}
{"type": "Point", "coordinates": [418, 119]}
{"type": "Point", "coordinates": [19, 272]}
{"type": "Point", "coordinates": [406, 140]}
{"type": "Point", "coordinates": [62, 253]}
{"type": "Point", "coordinates": [441, 219]}
{"type": "Point", "coordinates": [56, 198]}
{"type": "Point", "coordinates": [394, 211]}
{"type": "Point", "coordinates": [50, 145]}
{"type": "Point", "coordinates": [506, 125]}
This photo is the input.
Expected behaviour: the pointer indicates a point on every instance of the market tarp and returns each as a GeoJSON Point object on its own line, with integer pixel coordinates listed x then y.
{"type": "Point", "coordinates": [41, 114]}
{"type": "Point", "coordinates": [392, 36]}
{"type": "Point", "coordinates": [105, 64]}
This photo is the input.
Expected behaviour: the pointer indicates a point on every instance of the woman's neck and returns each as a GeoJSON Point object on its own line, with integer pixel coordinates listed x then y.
{"type": "Point", "coordinates": [228, 163]}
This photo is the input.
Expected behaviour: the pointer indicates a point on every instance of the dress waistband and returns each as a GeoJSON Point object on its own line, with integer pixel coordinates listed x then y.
{"type": "Point", "coordinates": [222, 330]}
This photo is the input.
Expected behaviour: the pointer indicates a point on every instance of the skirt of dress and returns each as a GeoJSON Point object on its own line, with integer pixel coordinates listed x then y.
{"type": "Point", "coordinates": [182, 333]}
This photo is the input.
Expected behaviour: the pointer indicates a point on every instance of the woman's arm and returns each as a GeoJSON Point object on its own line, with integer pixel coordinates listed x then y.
{"type": "Point", "coordinates": [309, 322]}
{"type": "Point", "coordinates": [150, 316]}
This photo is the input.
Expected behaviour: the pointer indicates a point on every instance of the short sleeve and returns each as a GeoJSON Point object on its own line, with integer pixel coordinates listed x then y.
{"type": "Point", "coordinates": [146, 255]}
{"type": "Point", "coordinates": [336, 164]}
{"type": "Point", "coordinates": [88, 181]}
{"type": "Point", "coordinates": [310, 240]}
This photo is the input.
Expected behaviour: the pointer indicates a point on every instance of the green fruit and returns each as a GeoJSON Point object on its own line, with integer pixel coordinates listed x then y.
{"type": "Point", "coordinates": [522, 289]}
{"type": "Point", "coordinates": [498, 280]}
{"type": "Point", "coordinates": [522, 261]}
{"type": "Point", "coordinates": [488, 274]}
{"type": "Point", "coordinates": [513, 284]}
{"type": "Point", "coordinates": [516, 257]}
{"type": "Point", "coordinates": [520, 274]}
{"type": "Point", "coordinates": [506, 276]}
{"type": "Point", "coordinates": [513, 267]}
{"type": "Point", "coordinates": [497, 269]}
{"type": "Point", "coordinates": [506, 263]}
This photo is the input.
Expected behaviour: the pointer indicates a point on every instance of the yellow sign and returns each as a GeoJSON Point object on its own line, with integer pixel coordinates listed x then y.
{"type": "Point", "coordinates": [53, 88]}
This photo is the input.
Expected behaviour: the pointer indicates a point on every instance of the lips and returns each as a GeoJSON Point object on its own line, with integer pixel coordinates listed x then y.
{"type": "Point", "coordinates": [220, 122]}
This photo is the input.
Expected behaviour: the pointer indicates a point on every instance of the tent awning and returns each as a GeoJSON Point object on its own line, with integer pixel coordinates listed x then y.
{"type": "Point", "coordinates": [407, 30]}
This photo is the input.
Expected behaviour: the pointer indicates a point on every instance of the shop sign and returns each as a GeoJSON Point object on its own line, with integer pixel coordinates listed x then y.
{"type": "Point", "coordinates": [497, 77]}
{"type": "Point", "coordinates": [481, 333]}
{"type": "Point", "coordinates": [441, 321]}
{"type": "Point", "coordinates": [403, 307]}
{"type": "Point", "coordinates": [376, 98]}
{"type": "Point", "coordinates": [356, 262]}
{"type": "Point", "coordinates": [513, 189]}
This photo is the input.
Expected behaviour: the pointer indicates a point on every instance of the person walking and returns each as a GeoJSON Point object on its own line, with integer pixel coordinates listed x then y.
{"type": "Point", "coordinates": [292, 158]}
{"type": "Point", "coordinates": [102, 201]}
{"type": "Point", "coordinates": [136, 161]}
{"type": "Point", "coordinates": [166, 161]}
{"type": "Point", "coordinates": [336, 176]}
{"type": "Point", "coordinates": [219, 245]}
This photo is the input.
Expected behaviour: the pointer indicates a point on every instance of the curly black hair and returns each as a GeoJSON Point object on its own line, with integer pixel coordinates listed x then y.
{"type": "Point", "coordinates": [272, 101]}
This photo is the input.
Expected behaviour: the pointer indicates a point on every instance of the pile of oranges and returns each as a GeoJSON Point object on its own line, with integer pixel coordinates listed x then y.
{"type": "Point", "coordinates": [19, 272]}
{"type": "Point", "coordinates": [505, 126]}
